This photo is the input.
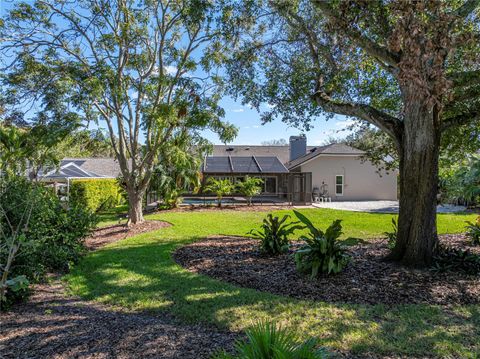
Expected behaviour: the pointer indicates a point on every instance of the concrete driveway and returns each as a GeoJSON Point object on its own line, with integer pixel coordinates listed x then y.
{"type": "Point", "coordinates": [379, 206]}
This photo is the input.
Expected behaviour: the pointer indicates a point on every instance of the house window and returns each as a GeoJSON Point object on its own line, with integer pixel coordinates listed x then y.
{"type": "Point", "coordinates": [270, 184]}
{"type": "Point", "coordinates": [339, 185]}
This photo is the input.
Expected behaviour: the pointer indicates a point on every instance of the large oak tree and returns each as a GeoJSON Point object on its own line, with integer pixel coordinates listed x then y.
{"type": "Point", "coordinates": [146, 68]}
{"type": "Point", "coordinates": [410, 68]}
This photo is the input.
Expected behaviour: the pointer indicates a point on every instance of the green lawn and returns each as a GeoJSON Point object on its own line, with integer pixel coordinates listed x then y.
{"type": "Point", "coordinates": [139, 274]}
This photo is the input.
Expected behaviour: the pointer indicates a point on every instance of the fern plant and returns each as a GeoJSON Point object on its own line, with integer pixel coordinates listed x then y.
{"type": "Point", "coordinates": [274, 234]}
{"type": "Point", "coordinates": [268, 341]}
{"type": "Point", "coordinates": [322, 252]}
{"type": "Point", "coordinates": [473, 231]}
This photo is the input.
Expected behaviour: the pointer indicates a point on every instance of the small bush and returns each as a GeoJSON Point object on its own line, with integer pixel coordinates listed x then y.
{"type": "Point", "coordinates": [267, 341]}
{"type": "Point", "coordinates": [322, 252]}
{"type": "Point", "coordinates": [274, 234]}
{"type": "Point", "coordinates": [95, 194]}
{"type": "Point", "coordinates": [51, 239]}
{"type": "Point", "coordinates": [473, 231]}
{"type": "Point", "coordinates": [392, 236]}
{"type": "Point", "coordinates": [456, 260]}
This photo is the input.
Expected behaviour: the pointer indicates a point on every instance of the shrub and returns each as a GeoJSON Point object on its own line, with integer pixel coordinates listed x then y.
{"type": "Point", "coordinates": [220, 187]}
{"type": "Point", "coordinates": [267, 341]}
{"type": "Point", "coordinates": [473, 231]}
{"type": "Point", "coordinates": [52, 237]}
{"type": "Point", "coordinates": [322, 252]}
{"type": "Point", "coordinates": [392, 236]}
{"type": "Point", "coordinates": [250, 187]}
{"type": "Point", "coordinates": [95, 194]}
{"type": "Point", "coordinates": [456, 260]}
{"type": "Point", "coordinates": [274, 234]}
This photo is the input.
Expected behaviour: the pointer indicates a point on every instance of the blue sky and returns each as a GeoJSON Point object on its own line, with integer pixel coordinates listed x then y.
{"type": "Point", "coordinates": [247, 120]}
{"type": "Point", "coordinates": [252, 132]}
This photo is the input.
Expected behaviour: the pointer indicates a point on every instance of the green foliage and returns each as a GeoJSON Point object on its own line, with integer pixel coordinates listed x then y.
{"type": "Point", "coordinates": [456, 260]}
{"type": "Point", "coordinates": [460, 182]}
{"type": "Point", "coordinates": [322, 252]}
{"type": "Point", "coordinates": [274, 234]}
{"type": "Point", "coordinates": [221, 187]}
{"type": "Point", "coordinates": [392, 236]}
{"type": "Point", "coordinates": [249, 187]}
{"type": "Point", "coordinates": [178, 170]}
{"type": "Point", "coordinates": [268, 341]}
{"type": "Point", "coordinates": [95, 194]}
{"type": "Point", "coordinates": [473, 231]}
{"type": "Point", "coordinates": [51, 239]}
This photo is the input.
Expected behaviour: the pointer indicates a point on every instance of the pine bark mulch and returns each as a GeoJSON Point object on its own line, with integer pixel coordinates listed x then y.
{"type": "Point", "coordinates": [54, 325]}
{"type": "Point", "coordinates": [104, 235]}
{"type": "Point", "coordinates": [368, 279]}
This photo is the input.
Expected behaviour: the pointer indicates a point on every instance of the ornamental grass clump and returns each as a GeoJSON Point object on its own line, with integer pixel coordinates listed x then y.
{"type": "Point", "coordinates": [274, 234]}
{"type": "Point", "coordinates": [269, 341]}
{"type": "Point", "coordinates": [322, 253]}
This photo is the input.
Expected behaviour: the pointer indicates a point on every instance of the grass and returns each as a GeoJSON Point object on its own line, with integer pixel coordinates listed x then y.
{"type": "Point", "coordinates": [139, 274]}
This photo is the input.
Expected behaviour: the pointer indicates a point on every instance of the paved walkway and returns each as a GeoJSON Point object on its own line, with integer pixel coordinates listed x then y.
{"type": "Point", "coordinates": [379, 206]}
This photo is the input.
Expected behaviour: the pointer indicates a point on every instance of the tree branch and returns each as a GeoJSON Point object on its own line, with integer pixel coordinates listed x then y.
{"type": "Point", "coordinates": [467, 8]}
{"type": "Point", "coordinates": [372, 48]}
{"type": "Point", "coordinates": [386, 122]}
{"type": "Point", "coordinates": [465, 78]}
{"type": "Point", "coordinates": [461, 119]}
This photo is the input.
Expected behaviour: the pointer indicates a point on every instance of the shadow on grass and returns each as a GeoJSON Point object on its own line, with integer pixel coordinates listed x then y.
{"type": "Point", "coordinates": [144, 277]}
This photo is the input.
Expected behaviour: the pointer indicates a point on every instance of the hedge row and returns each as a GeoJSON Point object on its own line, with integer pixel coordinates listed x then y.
{"type": "Point", "coordinates": [96, 194]}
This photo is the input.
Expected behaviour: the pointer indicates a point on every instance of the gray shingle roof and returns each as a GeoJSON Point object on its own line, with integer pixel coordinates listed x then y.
{"type": "Point", "coordinates": [281, 152]}
{"type": "Point", "coordinates": [103, 166]}
{"type": "Point", "coordinates": [69, 170]}
{"type": "Point", "coordinates": [332, 149]}
{"type": "Point", "coordinates": [243, 164]}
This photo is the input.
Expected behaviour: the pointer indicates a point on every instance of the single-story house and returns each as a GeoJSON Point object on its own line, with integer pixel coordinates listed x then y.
{"type": "Point", "coordinates": [335, 171]}
{"type": "Point", "coordinates": [296, 173]}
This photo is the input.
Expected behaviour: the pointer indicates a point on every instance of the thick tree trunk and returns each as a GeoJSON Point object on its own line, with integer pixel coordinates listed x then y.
{"type": "Point", "coordinates": [419, 152]}
{"type": "Point", "coordinates": [135, 207]}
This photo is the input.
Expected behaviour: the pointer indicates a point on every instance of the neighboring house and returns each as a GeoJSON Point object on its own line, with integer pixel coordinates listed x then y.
{"type": "Point", "coordinates": [76, 168]}
{"type": "Point", "coordinates": [299, 172]}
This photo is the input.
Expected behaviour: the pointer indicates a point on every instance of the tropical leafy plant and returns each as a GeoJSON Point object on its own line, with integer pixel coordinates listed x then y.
{"type": "Point", "coordinates": [392, 236]}
{"type": "Point", "coordinates": [220, 187]}
{"type": "Point", "coordinates": [249, 187]}
{"type": "Point", "coordinates": [456, 260]}
{"type": "Point", "coordinates": [473, 231]}
{"type": "Point", "coordinates": [322, 252]}
{"type": "Point", "coordinates": [274, 234]}
{"type": "Point", "coordinates": [268, 341]}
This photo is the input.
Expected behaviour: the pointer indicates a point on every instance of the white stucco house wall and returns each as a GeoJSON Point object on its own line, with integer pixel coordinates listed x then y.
{"type": "Point", "coordinates": [346, 175]}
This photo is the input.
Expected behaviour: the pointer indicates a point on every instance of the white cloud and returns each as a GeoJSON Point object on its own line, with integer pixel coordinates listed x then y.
{"type": "Point", "coordinates": [256, 126]}
{"type": "Point", "coordinates": [246, 127]}
{"type": "Point", "coordinates": [238, 110]}
{"type": "Point", "coordinates": [270, 106]}
{"type": "Point", "coordinates": [171, 70]}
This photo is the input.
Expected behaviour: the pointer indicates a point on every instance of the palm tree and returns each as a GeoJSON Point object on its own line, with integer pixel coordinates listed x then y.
{"type": "Point", "coordinates": [220, 188]}
{"type": "Point", "coordinates": [251, 186]}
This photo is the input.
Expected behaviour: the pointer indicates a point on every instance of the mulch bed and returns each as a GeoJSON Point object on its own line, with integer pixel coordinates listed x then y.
{"type": "Point", "coordinates": [367, 279]}
{"type": "Point", "coordinates": [54, 325]}
{"type": "Point", "coordinates": [109, 234]}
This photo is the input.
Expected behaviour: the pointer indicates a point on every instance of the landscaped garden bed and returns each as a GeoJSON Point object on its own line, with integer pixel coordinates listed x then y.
{"type": "Point", "coordinates": [113, 233]}
{"type": "Point", "coordinates": [368, 279]}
